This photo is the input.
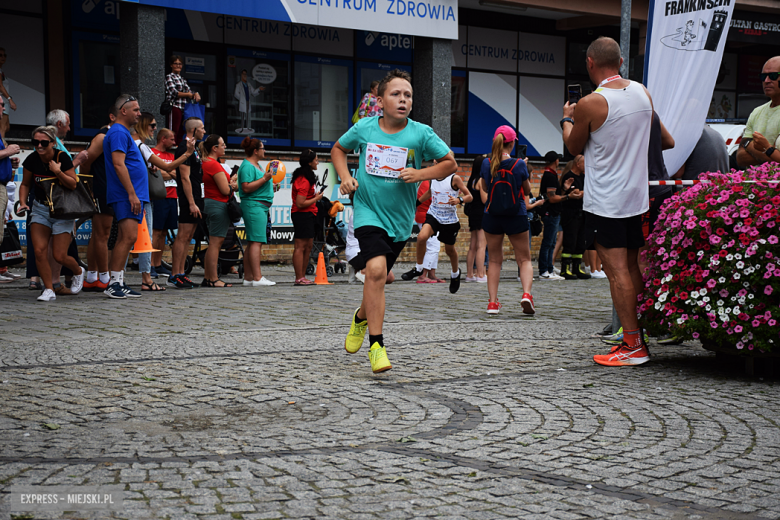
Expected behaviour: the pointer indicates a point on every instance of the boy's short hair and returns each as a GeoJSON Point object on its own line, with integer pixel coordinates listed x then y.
{"type": "Point", "coordinates": [393, 74]}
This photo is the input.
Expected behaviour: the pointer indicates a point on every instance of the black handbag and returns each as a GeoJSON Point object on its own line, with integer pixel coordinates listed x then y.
{"type": "Point", "coordinates": [165, 107]}
{"type": "Point", "coordinates": [10, 250]}
{"type": "Point", "coordinates": [68, 204]}
{"type": "Point", "coordinates": [235, 214]}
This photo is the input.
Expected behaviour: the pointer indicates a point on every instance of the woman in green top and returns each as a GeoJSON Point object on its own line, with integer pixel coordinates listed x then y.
{"type": "Point", "coordinates": [257, 194]}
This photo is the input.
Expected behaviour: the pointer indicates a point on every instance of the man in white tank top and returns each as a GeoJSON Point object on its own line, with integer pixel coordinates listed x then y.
{"type": "Point", "coordinates": [611, 127]}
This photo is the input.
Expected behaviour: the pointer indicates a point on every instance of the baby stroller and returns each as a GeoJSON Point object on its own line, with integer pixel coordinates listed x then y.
{"type": "Point", "coordinates": [329, 239]}
{"type": "Point", "coordinates": [231, 253]}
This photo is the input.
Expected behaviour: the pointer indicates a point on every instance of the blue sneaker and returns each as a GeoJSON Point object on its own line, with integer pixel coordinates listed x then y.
{"type": "Point", "coordinates": [153, 273]}
{"type": "Point", "coordinates": [115, 291]}
{"type": "Point", "coordinates": [161, 269]}
{"type": "Point", "coordinates": [129, 292]}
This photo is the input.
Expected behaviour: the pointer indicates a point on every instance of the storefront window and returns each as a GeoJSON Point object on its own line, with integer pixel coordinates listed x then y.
{"type": "Point", "coordinates": [258, 96]}
{"type": "Point", "coordinates": [458, 107]}
{"type": "Point", "coordinates": [98, 76]}
{"type": "Point", "coordinates": [323, 90]}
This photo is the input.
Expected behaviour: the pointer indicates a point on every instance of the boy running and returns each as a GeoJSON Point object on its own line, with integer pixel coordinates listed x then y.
{"type": "Point", "coordinates": [392, 149]}
{"type": "Point", "coordinates": [442, 218]}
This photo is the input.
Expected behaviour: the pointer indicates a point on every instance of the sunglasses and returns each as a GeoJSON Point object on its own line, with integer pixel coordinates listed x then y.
{"type": "Point", "coordinates": [771, 75]}
{"type": "Point", "coordinates": [42, 142]}
{"type": "Point", "coordinates": [153, 125]}
{"type": "Point", "coordinates": [128, 100]}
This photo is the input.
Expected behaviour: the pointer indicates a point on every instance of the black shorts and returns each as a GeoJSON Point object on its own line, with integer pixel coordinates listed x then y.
{"type": "Point", "coordinates": [303, 224]}
{"type": "Point", "coordinates": [651, 216]}
{"type": "Point", "coordinates": [448, 233]}
{"type": "Point", "coordinates": [185, 217]}
{"type": "Point", "coordinates": [504, 225]}
{"type": "Point", "coordinates": [613, 233]}
{"type": "Point", "coordinates": [374, 241]}
{"type": "Point", "coordinates": [475, 221]}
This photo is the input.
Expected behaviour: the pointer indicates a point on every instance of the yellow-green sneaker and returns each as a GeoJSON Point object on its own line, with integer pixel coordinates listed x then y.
{"type": "Point", "coordinates": [378, 357]}
{"type": "Point", "coordinates": [357, 332]}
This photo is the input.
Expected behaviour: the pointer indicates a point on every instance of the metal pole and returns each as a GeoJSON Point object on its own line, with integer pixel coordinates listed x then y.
{"type": "Point", "coordinates": [625, 35]}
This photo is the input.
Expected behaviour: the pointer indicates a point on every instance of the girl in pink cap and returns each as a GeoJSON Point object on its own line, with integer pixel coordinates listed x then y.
{"type": "Point", "coordinates": [503, 186]}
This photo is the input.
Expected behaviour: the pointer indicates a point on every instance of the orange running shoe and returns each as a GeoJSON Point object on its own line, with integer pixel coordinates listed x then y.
{"type": "Point", "coordinates": [622, 355]}
{"type": "Point", "coordinates": [96, 286]}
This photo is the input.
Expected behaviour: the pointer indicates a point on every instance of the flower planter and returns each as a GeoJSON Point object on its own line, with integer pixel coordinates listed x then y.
{"type": "Point", "coordinates": [753, 361]}
{"type": "Point", "coordinates": [714, 265]}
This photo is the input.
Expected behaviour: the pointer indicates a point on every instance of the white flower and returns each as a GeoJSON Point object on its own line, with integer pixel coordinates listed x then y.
{"type": "Point", "coordinates": [740, 264]}
{"type": "Point", "coordinates": [751, 296]}
{"type": "Point", "coordinates": [706, 299]}
{"type": "Point", "coordinates": [694, 294]}
{"type": "Point", "coordinates": [746, 284]}
{"type": "Point", "coordinates": [736, 310]}
{"type": "Point", "coordinates": [662, 298]}
{"type": "Point", "coordinates": [719, 303]}
{"type": "Point", "coordinates": [729, 257]}
{"type": "Point", "coordinates": [733, 298]}
{"type": "Point", "coordinates": [708, 307]}
{"type": "Point", "coordinates": [742, 300]}
{"type": "Point", "coordinates": [657, 306]}
{"type": "Point", "coordinates": [737, 276]}
{"type": "Point", "coordinates": [714, 262]}
{"type": "Point", "coordinates": [721, 280]}
{"type": "Point", "coordinates": [751, 305]}
{"type": "Point", "coordinates": [751, 196]}
{"type": "Point", "coordinates": [727, 310]}
{"type": "Point", "coordinates": [738, 256]}
{"type": "Point", "coordinates": [680, 321]}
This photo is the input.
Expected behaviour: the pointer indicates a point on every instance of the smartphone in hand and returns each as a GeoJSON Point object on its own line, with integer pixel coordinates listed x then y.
{"type": "Point", "coordinates": [575, 93]}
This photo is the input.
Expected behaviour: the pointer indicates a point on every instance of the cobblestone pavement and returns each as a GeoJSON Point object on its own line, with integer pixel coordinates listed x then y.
{"type": "Point", "coordinates": [242, 404]}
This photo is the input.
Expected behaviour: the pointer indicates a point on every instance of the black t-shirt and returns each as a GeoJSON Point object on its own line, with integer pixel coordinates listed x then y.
{"type": "Point", "coordinates": [579, 184]}
{"type": "Point", "coordinates": [549, 182]}
{"type": "Point", "coordinates": [40, 171]}
{"type": "Point", "coordinates": [196, 173]}
{"type": "Point", "coordinates": [475, 207]}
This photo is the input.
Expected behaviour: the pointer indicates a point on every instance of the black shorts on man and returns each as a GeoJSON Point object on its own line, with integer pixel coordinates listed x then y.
{"type": "Point", "coordinates": [185, 217]}
{"type": "Point", "coordinates": [374, 241]}
{"type": "Point", "coordinates": [448, 233]}
{"type": "Point", "coordinates": [613, 233]}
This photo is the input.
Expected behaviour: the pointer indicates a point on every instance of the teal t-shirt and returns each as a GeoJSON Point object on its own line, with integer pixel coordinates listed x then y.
{"type": "Point", "coordinates": [248, 173]}
{"type": "Point", "coordinates": [385, 202]}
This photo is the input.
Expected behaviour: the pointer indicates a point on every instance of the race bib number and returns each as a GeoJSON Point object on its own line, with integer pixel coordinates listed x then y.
{"type": "Point", "coordinates": [441, 198]}
{"type": "Point", "coordinates": [385, 161]}
{"type": "Point", "coordinates": [171, 183]}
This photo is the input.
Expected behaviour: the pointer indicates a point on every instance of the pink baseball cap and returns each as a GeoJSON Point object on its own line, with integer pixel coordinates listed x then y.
{"type": "Point", "coordinates": [508, 133]}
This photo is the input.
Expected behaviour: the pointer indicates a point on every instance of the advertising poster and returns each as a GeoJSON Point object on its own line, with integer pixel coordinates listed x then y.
{"type": "Point", "coordinates": [281, 222]}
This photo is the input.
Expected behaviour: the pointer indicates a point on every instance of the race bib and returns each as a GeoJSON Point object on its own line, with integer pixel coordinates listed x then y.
{"type": "Point", "coordinates": [385, 161]}
{"type": "Point", "coordinates": [171, 183]}
{"type": "Point", "coordinates": [441, 198]}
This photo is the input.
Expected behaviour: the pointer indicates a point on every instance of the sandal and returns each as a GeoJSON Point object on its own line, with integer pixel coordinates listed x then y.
{"type": "Point", "coordinates": [35, 286]}
{"type": "Point", "coordinates": [213, 283]}
{"type": "Point", "coordinates": [151, 287]}
{"type": "Point", "coordinates": [425, 280]}
{"type": "Point", "coordinates": [303, 281]}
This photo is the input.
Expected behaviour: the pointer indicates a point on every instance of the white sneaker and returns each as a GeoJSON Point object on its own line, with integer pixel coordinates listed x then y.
{"type": "Point", "coordinates": [4, 278]}
{"type": "Point", "coordinates": [77, 282]}
{"type": "Point", "coordinates": [544, 276]}
{"type": "Point", "coordinates": [555, 277]}
{"type": "Point", "coordinates": [262, 281]}
{"type": "Point", "coordinates": [598, 274]}
{"type": "Point", "coordinates": [47, 296]}
{"type": "Point", "coordinates": [247, 283]}
{"type": "Point", "coordinates": [12, 275]}
{"type": "Point", "coordinates": [360, 277]}
{"type": "Point", "coordinates": [482, 280]}
{"type": "Point", "coordinates": [587, 270]}
{"type": "Point", "coordinates": [556, 270]}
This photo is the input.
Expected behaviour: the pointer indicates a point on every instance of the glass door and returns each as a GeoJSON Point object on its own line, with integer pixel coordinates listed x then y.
{"type": "Point", "coordinates": [200, 71]}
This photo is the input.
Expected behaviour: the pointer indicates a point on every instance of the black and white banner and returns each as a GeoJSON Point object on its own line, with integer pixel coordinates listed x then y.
{"type": "Point", "coordinates": [685, 42]}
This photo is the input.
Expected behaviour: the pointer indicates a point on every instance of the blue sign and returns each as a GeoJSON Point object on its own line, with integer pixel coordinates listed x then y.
{"type": "Point", "coordinates": [379, 46]}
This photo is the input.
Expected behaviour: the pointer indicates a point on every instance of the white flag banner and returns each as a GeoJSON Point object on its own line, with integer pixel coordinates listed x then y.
{"type": "Point", "coordinates": [685, 41]}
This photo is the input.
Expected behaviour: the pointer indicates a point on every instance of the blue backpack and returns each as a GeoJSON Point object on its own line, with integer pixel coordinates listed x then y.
{"type": "Point", "coordinates": [504, 196]}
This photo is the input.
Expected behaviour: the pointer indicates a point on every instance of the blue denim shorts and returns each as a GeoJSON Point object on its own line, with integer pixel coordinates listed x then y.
{"type": "Point", "coordinates": [40, 215]}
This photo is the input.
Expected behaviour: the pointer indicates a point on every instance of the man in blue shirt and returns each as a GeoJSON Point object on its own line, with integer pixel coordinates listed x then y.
{"type": "Point", "coordinates": [127, 189]}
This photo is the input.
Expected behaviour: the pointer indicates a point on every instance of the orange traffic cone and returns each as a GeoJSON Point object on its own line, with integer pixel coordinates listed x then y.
{"type": "Point", "coordinates": [142, 243]}
{"type": "Point", "coordinates": [321, 278]}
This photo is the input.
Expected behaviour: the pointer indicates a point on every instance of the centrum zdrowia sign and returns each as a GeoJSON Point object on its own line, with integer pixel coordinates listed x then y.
{"type": "Point", "coordinates": [432, 18]}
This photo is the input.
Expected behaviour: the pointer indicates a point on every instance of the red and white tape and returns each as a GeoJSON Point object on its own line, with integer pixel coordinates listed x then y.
{"type": "Point", "coordinates": [692, 183]}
